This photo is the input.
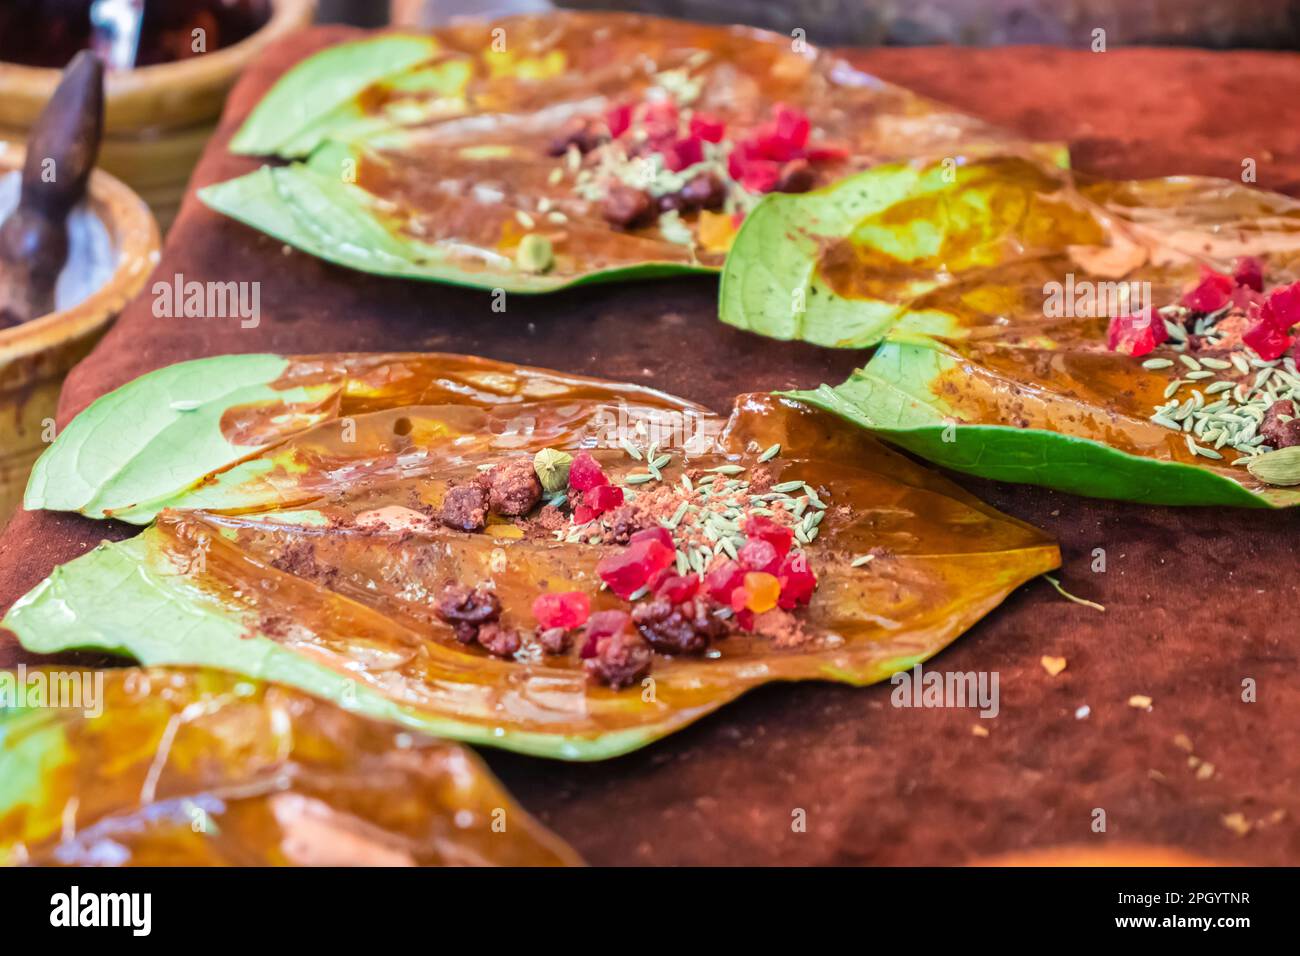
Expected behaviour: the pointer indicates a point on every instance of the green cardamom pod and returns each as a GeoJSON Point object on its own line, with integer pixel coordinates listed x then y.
{"type": "Point", "coordinates": [534, 253]}
{"type": "Point", "coordinates": [1281, 467]}
{"type": "Point", "coordinates": [552, 467]}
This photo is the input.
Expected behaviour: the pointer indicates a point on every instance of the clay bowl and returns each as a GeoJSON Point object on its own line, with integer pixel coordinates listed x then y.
{"type": "Point", "coordinates": [157, 118]}
{"type": "Point", "coordinates": [35, 357]}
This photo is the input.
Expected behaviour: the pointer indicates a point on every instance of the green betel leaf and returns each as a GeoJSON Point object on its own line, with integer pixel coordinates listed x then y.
{"type": "Point", "coordinates": [318, 560]}
{"type": "Point", "coordinates": [993, 284]}
{"type": "Point", "coordinates": [900, 396]}
{"type": "Point", "coordinates": [317, 98]}
{"type": "Point", "coordinates": [142, 444]}
{"type": "Point", "coordinates": [446, 157]}
{"type": "Point", "coordinates": [185, 767]}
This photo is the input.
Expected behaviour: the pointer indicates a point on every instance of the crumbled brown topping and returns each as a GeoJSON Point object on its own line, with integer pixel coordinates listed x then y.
{"type": "Point", "coordinates": [498, 640]}
{"type": "Point", "coordinates": [299, 559]}
{"type": "Point", "coordinates": [686, 628]}
{"type": "Point", "coordinates": [555, 640]}
{"type": "Point", "coordinates": [782, 628]}
{"type": "Point", "coordinates": [465, 507]}
{"type": "Point", "coordinates": [513, 487]}
{"type": "Point", "coordinates": [628, 208]}
{"type": "Point", "coordinates": [621, 659]}
{"type": "Point", "coordinates": [1280, 426]}
{"type": "Point", "coordinates": [583, 132]}
{"type": "Point", "coordinates": [467, 609]}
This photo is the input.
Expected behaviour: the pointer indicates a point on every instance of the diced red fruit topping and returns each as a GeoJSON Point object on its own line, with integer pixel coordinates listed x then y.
{"type": "Point", "coordinates": [1248, 271]}
{"type": "Point", "coordinates": [783, 137]}
{"type": "Point", "coordinates": [619, 119]}
{"type": "Point", "coordinates": [1211, 293]}
{"type": "Point", "coordinates": [657, 533]}
{"type": "Point", "coordinates": [603, 624]}
{"type": "Point", "coordinates": [1270, 335]}
{"type": "Point", "coordinates": [774, 533]}
{"type": "Point", "coordinates": [1268, 340]}
{"type": "Point", "coordinates": [775, 155]}
{"type": "Point", "coordinates": [758, 555]}
{"type": "Point", "coordinates": [567, 609]}
{"type": "Point", "coordinates": [635, 566]}
{"type": "Point", "coordinates": [707, 127]}
{"type": "Point", "coordinates": [1136, 334]}
{"type": "Point", "coordinates": [724, 579]}
{"type": "Point", "coordinates": [756, 175]}
{"type": "Point", "coordinates": [585, 473]}
{"type": "Point", "coordinates": [683, 153]}
{"type": "Point", "coordinates": [596, 502]}
{"type": "Point", "coordinates": [659, 115]}
{"type": "Point", "coordinates": [797, 581]}
{"type": "Point", "coordinates": [677, 588]}
{"type": "Point", "coordinates": [1282, 307]}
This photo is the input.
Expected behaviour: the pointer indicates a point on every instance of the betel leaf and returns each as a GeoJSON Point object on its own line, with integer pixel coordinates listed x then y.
{"type": "Point", "coordinates": [904, 396]}
{"type": "Point", "coordinates": [316, 561]}
{"type": "Point", "coordinates": [163, 432]}
{"type": "Point", "coordinates": [187, 767]}
{"type": "Point", "coordinates": [310, 102]}
{"type": "Point", "coordinates": [432, 156]}
{"type": "Point", "coordinates": [993, 283]}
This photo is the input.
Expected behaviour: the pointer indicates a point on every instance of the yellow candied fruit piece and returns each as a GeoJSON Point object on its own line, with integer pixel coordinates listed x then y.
{"type": "Point", "coordinates": [763, 590]}
{"type": "Point", "coordinates": [716, 231]}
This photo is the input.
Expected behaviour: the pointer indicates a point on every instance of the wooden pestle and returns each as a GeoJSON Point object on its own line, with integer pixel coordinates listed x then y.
{"type": "Point", "coordinates": [61, 152]}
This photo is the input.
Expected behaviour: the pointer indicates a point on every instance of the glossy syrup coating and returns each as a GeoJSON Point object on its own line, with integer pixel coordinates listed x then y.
{"type": "Point", "coordinates": [177, 767]}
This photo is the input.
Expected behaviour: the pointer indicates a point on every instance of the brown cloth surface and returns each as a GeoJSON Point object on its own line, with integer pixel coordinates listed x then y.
{"type": "Point", "coordinates": [1197, 600]}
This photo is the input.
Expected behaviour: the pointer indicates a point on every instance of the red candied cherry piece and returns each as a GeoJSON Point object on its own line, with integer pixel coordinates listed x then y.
{"type": "Point", "coordinates": [603, 498]}
{"type": "Point", "coordinates": [759, 555]}
{"type": "Point", "coordinates": [1267, 339]}
{"type": "Point", "coordinates": [619, 119]}
{"type": "Point", "coordinates": [603, 624]}
{"type": "Point", "coordinates": [792, 126]}
{"type": "Point", "coordinates": [659, 120]}
{"type": "Point", "coordinates": [634, 567]}
{"type": "Point", "coordinates": [797, 581]}
{"type": "Point", "coordinates": [707, 127]}
{"type": "Point", "coordinates": [783, 138]}
{"type": "Point", "coordinates": [744, 618]}
{"type": "Point", "coordinates": [759, 175]}
{"type": "Point", "coordinates": [683, 153]}
{"type": "Point", "coordinates": [585, 472]}
{"type": "Point", "coordinates": [1211, 293]}
{"type": "Point", "coordinates": [740, 599]}
{"type": "Point", "coordinates": [724, 579]}
{"type": "Point", "coordinates": [566, 609]}
{"type": "Point", "coordinates": [1135, 334]}
{"type": "Point", "coordinates": [597, 502]}
{"type": "Point", "coordinates": [657, 533]}
{"type": "Point", "coordinates": [1248, 271]}
{"type": "Point", "coordinates": [774, 533]}
{"type": "Point", "coordinates": [678, 587]}
{"type": "Point", "coordinates": [1282, 307]}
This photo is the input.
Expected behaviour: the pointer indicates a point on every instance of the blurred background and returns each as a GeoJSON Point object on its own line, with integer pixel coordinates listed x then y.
{"type": "Point", "coordinates": [1272, 24]}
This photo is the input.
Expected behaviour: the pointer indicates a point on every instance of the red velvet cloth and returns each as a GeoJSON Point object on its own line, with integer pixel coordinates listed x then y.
{"type": "Point", "coordinates": [1198, 600]}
